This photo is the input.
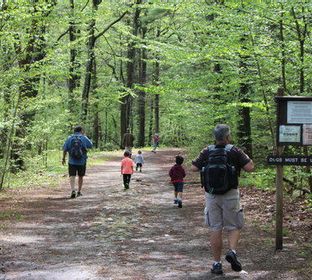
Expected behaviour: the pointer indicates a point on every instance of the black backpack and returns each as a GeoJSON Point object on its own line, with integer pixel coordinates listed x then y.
{"type": "Point", "coordinates": [77, 149]}
{"type": "Point", "coordinates": [218, 176]}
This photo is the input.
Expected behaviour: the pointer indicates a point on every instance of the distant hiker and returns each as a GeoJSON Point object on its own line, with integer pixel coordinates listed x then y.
{"type": "Point", "coordinates": [177, 174]}
{"type": "Point", "coordinates": [221, 164]}
{"type": "Point", "coordinates": [127, 168]}
{"type": "Point", "coordinates": [155, 142]}
{"type": "Point", "coordinates": [76, 146]}
{"type": "Point", "coordinates": [127, 141]}
{"type": "Point", "coordinates": [139, 160]}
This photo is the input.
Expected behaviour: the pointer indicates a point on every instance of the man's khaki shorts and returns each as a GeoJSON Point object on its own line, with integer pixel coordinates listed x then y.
{"type": "Point", "coordinates": [224, 211]}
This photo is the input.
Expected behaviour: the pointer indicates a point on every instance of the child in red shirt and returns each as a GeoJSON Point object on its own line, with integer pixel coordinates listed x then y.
{"type": "Point", "coordinates": [177, 174]}
{"type": "Point", "coordinates": [127, 167]}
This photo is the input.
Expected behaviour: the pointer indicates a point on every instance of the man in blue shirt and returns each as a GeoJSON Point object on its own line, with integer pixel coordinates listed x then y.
{"type": "Point", "coordinates": [76, 146]}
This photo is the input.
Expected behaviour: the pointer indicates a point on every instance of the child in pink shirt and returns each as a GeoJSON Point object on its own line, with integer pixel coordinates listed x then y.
{"type": "Point", "coordinates": [127, 167]}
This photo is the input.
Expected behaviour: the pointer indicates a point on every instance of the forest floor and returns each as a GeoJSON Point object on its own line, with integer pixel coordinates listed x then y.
{"type": "Point", "coordinates": [109, 233]}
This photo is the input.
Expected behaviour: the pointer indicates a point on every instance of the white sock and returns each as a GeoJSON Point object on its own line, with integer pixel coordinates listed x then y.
{"type": "Point", "coordinates": [72, 182]}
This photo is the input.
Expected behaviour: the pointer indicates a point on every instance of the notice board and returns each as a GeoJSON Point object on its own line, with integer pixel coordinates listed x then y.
{"type": "Point", "coordinates": [294, 120]}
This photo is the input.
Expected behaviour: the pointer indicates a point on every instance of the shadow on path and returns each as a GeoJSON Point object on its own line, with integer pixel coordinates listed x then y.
{"type": "Point", "coordinates": [109, 233]}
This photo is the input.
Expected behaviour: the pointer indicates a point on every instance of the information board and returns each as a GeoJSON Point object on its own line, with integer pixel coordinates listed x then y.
{"type": "Point", "coordinates": [299, 112]}
{"type": "Point", "coordinates": [307, 134]}
{"type": "Point", "coordinates": [294, 120]}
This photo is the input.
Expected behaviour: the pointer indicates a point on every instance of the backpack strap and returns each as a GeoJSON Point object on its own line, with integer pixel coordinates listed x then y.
{"type": "Point", "coordinates": [211, 147]}
{"type": "Point", "coordinates": [228, 147]}
{"type": "Point", "coordinates": [74, 137]}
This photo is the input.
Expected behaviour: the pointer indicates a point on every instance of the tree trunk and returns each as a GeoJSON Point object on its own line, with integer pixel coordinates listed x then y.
{"type": "Point", "coordinates": [35, 52]}
{"type": "Point", "coordinates": [283, 52]}
{"type": "Point", "coordinates": [151, 120]}
{"type": "Point", "coordinates": [88, 71]}
{"type": "Point", "coordinates": [156, 81]}
{"type": "Point", "coordinates": [157, 97]}
{"type": "Point", "coordinates": [96, 120]}
{"type": "Point", "coordinates": [244, 123]}
{"type": "Point", "coordinates": [302, 32]}
{"type": "Point", "coordinates": [9, 140]}
{"type": "Point", "coordinates": [126, 101]}
{"type": "Point", "coordinates": [142, 94]}
{"type": "Point", "coordinates": [73, 79]}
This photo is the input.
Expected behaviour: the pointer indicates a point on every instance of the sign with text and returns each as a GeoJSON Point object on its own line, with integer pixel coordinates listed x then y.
{"type": "Point", "coordinates": [299, 112]}
{"type": "Point", "coordinates": [289, 160]}
{"type": "Point", "coordinates": [290, 133]}
{"type": "Point", "coordinates": [307, 134]}
{"type": "Point", "coordinates": [294, 120]}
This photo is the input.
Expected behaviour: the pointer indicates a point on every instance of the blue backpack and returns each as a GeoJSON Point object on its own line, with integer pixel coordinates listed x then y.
{"type": "Point", "coordinates": [219, 175]}
{"type": "Point", "coordinates": [77, 149]}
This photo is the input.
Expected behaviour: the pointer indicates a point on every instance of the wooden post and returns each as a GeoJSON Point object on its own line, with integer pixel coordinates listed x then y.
{"type": "Point", "coordinates": [279, 203]}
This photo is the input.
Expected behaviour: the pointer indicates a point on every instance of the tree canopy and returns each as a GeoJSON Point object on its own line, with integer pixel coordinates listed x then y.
{"type": "Point", "coordinates": [172, 67]}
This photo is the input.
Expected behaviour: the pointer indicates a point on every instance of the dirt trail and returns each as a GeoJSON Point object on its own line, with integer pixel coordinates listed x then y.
{"type": "Point", "coordinates": [138, 234]}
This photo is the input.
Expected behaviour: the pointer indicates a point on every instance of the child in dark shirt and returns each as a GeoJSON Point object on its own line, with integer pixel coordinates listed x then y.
{"type": "Point", "coordinates": [177, 174]}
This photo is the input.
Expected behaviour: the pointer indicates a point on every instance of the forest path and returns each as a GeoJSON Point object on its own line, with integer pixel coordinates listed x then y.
{"type": "Point", "coordinates": [138, 234]}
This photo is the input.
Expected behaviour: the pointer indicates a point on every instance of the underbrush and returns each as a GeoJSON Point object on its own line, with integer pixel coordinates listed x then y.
{"type": "Point", "coordinates": [47, 170]}
{"type": "Point", "coordinates": [262, 178]}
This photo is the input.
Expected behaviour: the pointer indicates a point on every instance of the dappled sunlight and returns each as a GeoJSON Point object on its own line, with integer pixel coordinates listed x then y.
{"type": "Point", "coordinates": [109, 233]}
{"type": "Point", "coordinates": [22, 239]}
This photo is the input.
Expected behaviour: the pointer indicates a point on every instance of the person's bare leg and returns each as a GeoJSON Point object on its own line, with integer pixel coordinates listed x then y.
{"type": "Point", "coordinates": [231, 257]}
{"type": "Point", "coordinates": [233, 238]}
{"type": "Point", "coordinates": [80, 182]}
{"type": "Point", "coordinates": [72, 182]}
{"type": "Point", "coordinates": [180, 195]}
{"type": "Point", "coordinates": [216, 244]}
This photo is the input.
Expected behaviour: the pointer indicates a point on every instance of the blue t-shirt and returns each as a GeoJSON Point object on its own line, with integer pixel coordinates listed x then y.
{"type": "Point", "coordinates": [87, 144]}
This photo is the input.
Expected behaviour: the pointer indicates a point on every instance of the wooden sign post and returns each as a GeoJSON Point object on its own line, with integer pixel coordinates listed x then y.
{"type": "Point", "coordinates": [294, 127]}
{"type": "Point", "coordinates": [279, 204]}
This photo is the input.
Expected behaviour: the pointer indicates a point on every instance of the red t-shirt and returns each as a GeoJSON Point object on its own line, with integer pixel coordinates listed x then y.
{"type": "Point", "coordinates": [127, 165]}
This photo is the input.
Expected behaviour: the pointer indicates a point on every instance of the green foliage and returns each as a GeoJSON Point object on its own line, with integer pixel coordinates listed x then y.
{"type": "Point", "coordinates": [109, 147]}
{"type": "Point", "coordinates": [309, 201]}
{"type": "Point", "coordinates": [200, 47]}
{"type": "Point", "coordinates": [11, 215]}
{"type": "Point", "coordinates": [263, 178]}
{"type": "Point", "coordinates": [41, 170]}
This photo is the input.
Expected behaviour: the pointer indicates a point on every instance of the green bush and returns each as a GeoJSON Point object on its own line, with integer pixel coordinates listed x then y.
{"type": "Point", "coordinates": [263, 178]}
{"type": "Point", "coordinates": [109, 147]}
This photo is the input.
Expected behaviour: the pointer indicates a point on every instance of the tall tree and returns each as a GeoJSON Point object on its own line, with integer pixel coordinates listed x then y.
{"type": "Point", "coordinates": [126, 100]}
{"type": "Point", "coordinates": [92, 39]}
{"type": "Point", "coordinates": [156, 79]}
{"type": "Point", "coordinates": [89, 63]}
{"type": "Point", "coordinates": [244, 121]}
{"type": "Point", "coordinates": [35, 51]}
{"type": "Point", "coordinates": [74, 77]}
{"type": "Point", "coordinates": [141, 93]}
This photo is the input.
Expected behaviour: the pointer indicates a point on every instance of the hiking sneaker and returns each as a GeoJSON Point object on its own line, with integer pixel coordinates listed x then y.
{"type": "Point", "coordinates": [231, 257]}
{"type": "Point", "coordinates": [73, 194]}
{"type": "Point", "coordinates": [79, 194]}
{"type": "Point", "coordinates": [217, 268]}
{"type": "Point", "coordinates": [175, 201]}
{"type": "Point", "coordinates": [180, 203]}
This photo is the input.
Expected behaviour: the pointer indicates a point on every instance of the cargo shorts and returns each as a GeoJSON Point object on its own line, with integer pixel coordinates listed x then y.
{"type": "Point", "coordinates": [224, 211]}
